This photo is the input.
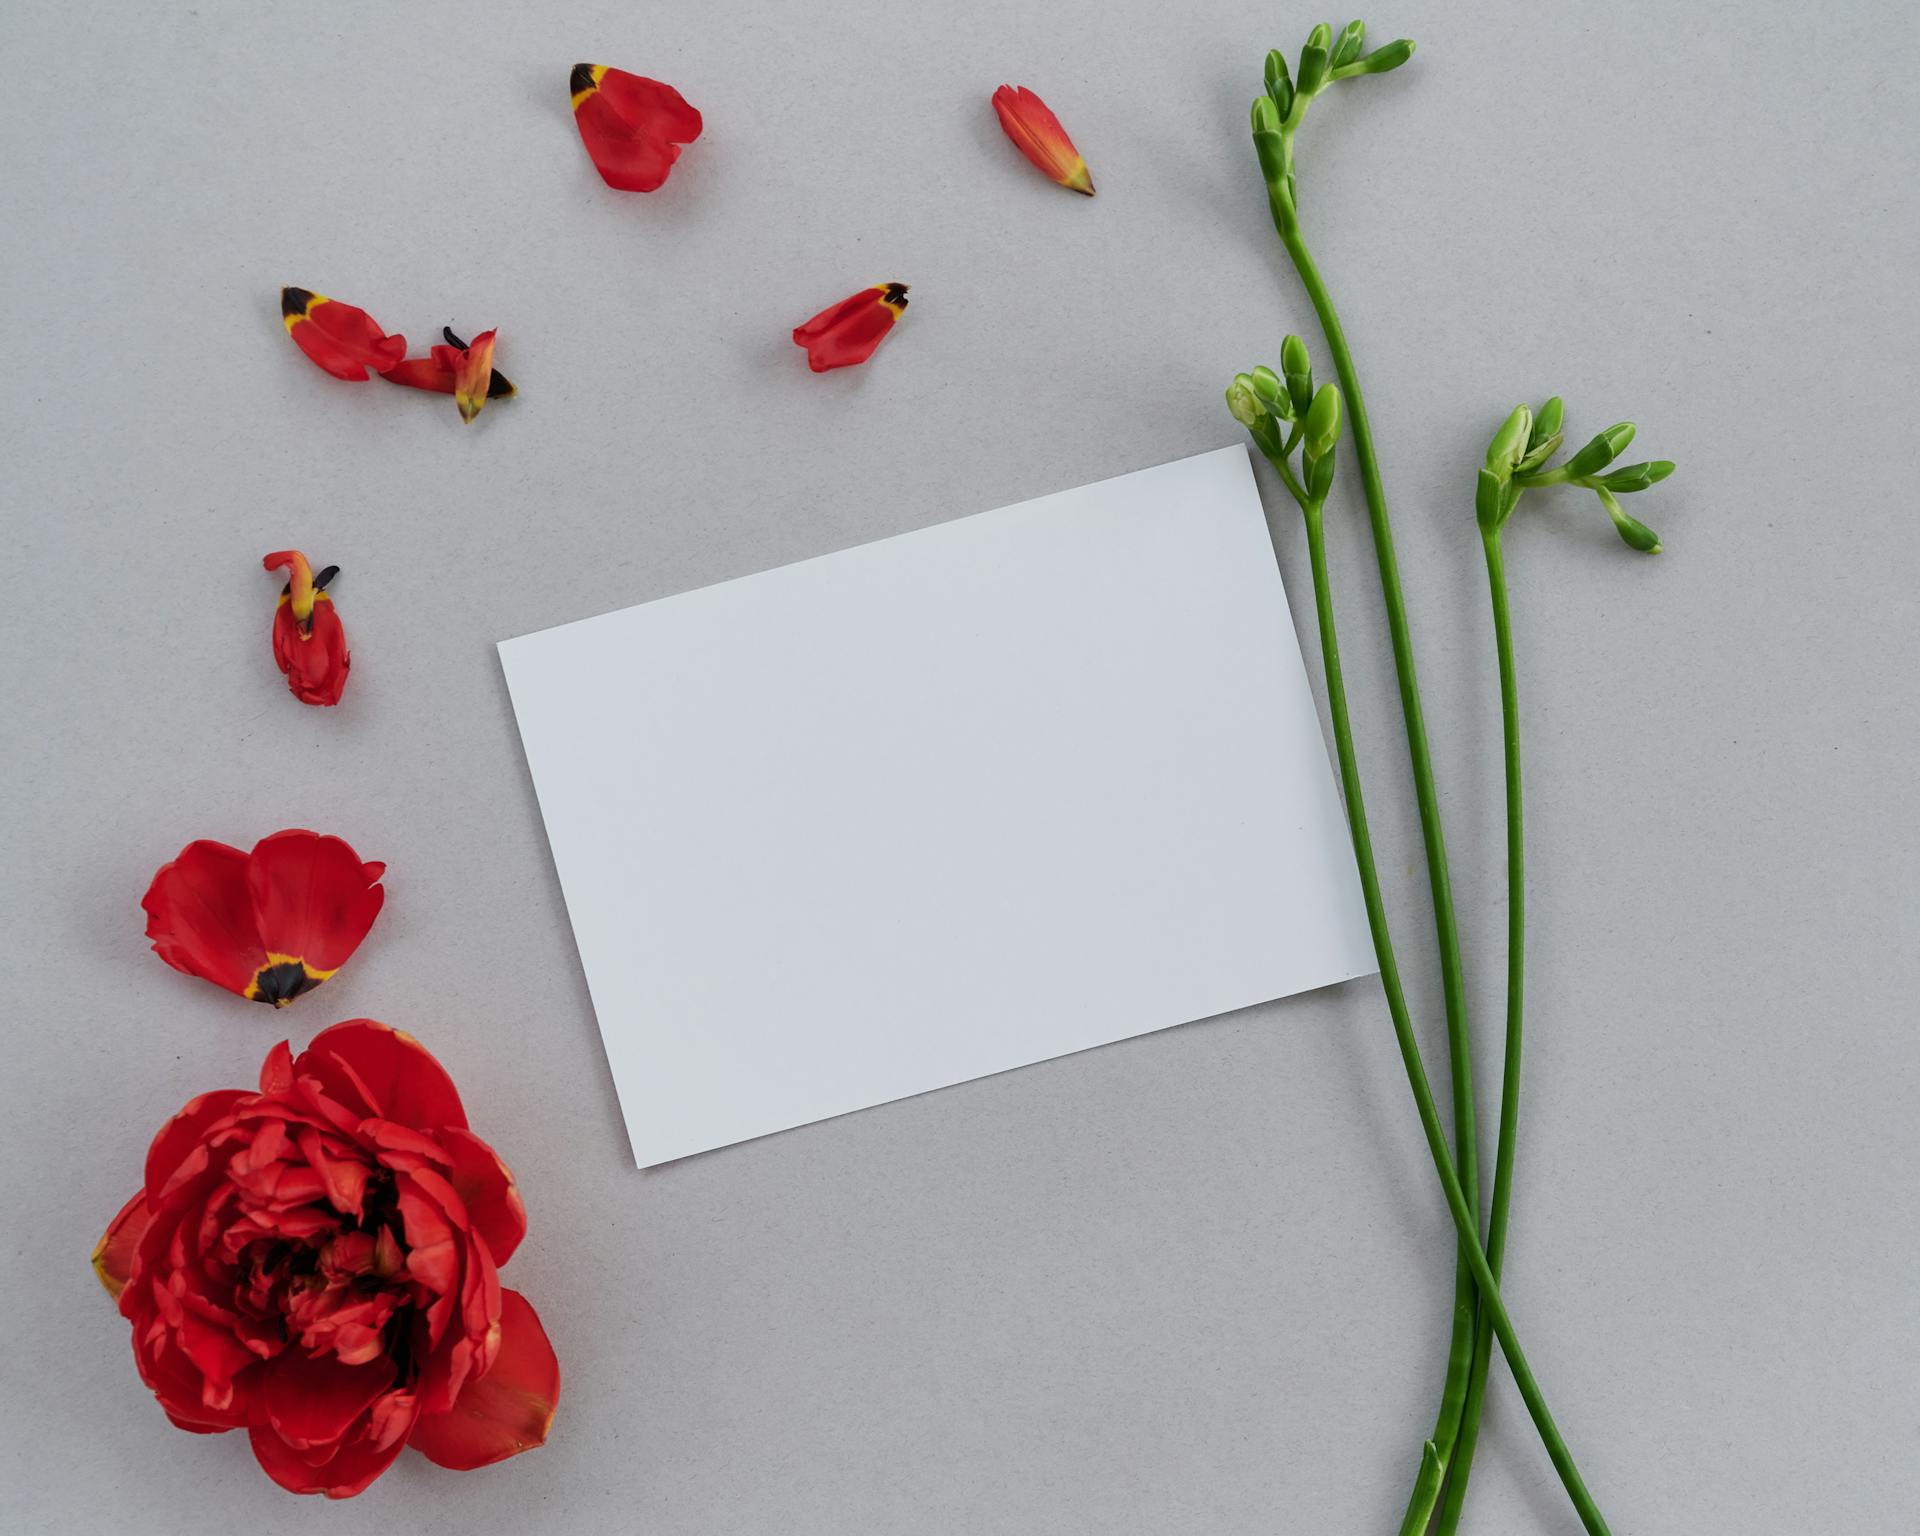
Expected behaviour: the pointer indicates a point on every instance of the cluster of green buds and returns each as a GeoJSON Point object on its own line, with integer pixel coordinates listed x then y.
{"type": "Point", "coordinates": [1283, 411]}
{"type": "Point", "coordinates": [1517, 461]}
{"type": "Point", "coordinates": [1278, 114]}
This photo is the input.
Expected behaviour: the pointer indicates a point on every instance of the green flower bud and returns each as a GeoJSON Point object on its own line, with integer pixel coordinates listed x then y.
{"type": "Point", "coordinates": [1637, 477]}
{"type": "Point", "coordinates": [1313, 59]}
{"type": "Point", "coordinates": [1272, 393]}
{"type": "Point", "coordinates": [1348, 48]}
{"type": "Point", "coordinates": [1267, 142]}
{"type": "Point", "coordinates": [1298, 368]}
{"type": "Point", "coordinates": [1279, 83]}
{"type": "Point", "coordinates": [1320, 477]}
{"type": "Point", "coordinates": [1509, 444]}
{"type": "Point", "coordinates": [1601, 452]}
{"type": "Point", "coordinates": [1635, 534]}
{"type": "Point", "coordinates": [1322, 429]}
{"type": "Point", "coordinates": [1242, 401]}
{"type": "Point", "coordinates": [1546, 423]}
{"type": "Point", "coordinates": [1539, 453]}
{"type": "Point", "coordinates": [1382, 59]}
{"type": "Point", "coordinates": [1489, 501]}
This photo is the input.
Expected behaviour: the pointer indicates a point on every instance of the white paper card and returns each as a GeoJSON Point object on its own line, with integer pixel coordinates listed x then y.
{"type": "Point", "coordinates": [939, 806]}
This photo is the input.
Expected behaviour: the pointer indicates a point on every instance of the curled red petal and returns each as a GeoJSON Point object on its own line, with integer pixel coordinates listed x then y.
{"type": "Point", "coordinates": [385, 1073]}
{"type": "Point", "coordinates": [506, 1411]}
{"type": "Point", "coordinates": [173, 1148]}
{"type": "Point", "coordinates": [313, 900]}
{"type": "Point", "coordinates": [486, 1187]}
{"type": "Point", "coordinates": [114, 1254]}
{"type": "Point", "coordinates": [200, 920]}
{"type": "Point", "coordinates": [344, 341]}
{"type": "Point", "coordinates": [349, 1471]}
{"type": "Point", "coordinates": [632, 127]}
{"type": "Point", "coordinates": [473, 376]}
{"type": "Point", "coordinates": [314, 659]}
{"type": "Point", "coordinates": [313, 1400]}
{"type": "Point", "coordinates": [846, 333]}
{"type": "Point", "coordinates": [1037, 133]}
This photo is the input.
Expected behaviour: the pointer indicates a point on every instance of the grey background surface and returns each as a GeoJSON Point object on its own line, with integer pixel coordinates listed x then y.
{"type": "Point", "coordinates": [1197, 1282]}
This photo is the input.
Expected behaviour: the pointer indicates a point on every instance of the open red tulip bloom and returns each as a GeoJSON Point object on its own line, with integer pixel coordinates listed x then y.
{"type": "Point", "coordinates": [1039, 136]}
{"type": "Point", "coordinates": [847, 333]}
{"type": "Point", "coordinates": [633, 127]}
{"type": "Point", "coordinates": [344, 341]}
{"type": "Point", "coordinates": [309, 643]}
{"type": "Point", "coordinates": [316, 1263]}
{"type": "Point", "coordinates": [461, 369]}
{"type": "Point", "coordinates": [267, 925]}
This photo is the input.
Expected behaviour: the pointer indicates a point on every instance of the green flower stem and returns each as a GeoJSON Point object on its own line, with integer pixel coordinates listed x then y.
{"type": "Point", "coordinates": [1430, 1123]}
{"type": "Point", "coordinates": [1462, 1463]}
{"type": "Point", "coordinates": [1446, 927]}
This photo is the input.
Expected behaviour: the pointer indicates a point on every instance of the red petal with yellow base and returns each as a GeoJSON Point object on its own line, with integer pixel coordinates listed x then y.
{"type": "Point", "coordinates": [309, 642]}
{"type": "Point", "coordinates": [341, 340]}
{"type": "Point", "coordinates": [633, 127]}
{"type": "Point", "coordinates": [1037, 133]}
{"type": "Point", "coordinates": [267, 925]}
{"type": "Point", "coordinates": [847, 332]}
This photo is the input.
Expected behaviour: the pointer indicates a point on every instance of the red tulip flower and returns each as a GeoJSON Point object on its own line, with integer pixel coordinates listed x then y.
{"type": "Point", "coordinates": [1037, 133]}
{"type": "Point", "coordinates": [267, 925]}
{"type": "Point", "coordinates": [317, 1264]}
{"type": "Point", "coordinates": [344, 341]}
{"type": "Point", "coordinates": [633, 127]}
{"type": "Point", "coordinates": [848, 332]}
{"type": "Point", "coordinates": [309, 643]}
{"type": "Point", "coordinates": [460, 369]}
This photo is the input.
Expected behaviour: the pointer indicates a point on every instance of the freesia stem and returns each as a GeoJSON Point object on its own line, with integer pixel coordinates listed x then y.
{"type": "Point", "coordinates": [1439, 879]}
{"type": "Point", "coordinates": [1462, 1463]}
{"type": "Point", "coordinates": [1430, 1124]}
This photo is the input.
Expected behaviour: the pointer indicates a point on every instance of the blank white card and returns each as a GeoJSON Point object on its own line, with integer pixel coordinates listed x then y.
{"type": "Point", "coordinates": [939, 806]}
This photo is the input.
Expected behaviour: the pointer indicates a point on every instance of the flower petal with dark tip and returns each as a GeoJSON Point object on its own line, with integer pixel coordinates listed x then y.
{"type": "Point", "coordinates": [633, 127]}
{"type": "Point", "coordinates": [343, 341]}
{"type": "Point", "coordinates": [847, 333]}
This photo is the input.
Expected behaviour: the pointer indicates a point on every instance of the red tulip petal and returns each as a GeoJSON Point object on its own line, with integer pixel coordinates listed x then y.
{"type": "Point", "coordinates": [181, 1137]}
{"type": "Point", "coordinates": [113, 1255]}
{"type": "Point", "coordinates": [199, 918]}
{"type": "Point", "coordinates": [847, 333]}
{"type": "Point", "coordinates": [486, 1185]}
{"type": "Point", "coordinates": [344, 341]}
{"type": "Point", "coordinates": [508, 1410]}
{"type": "Point", "coordinates": [1038, 135]}
{"type": "Point", "coordinates": [421, 373]}
{"type": "Point", "coordinates": [312, 1400]}
{"type": "Point", "coordinates": [350, 1471]}
{"type": "Point", "coordinates": [473, 376]}
{"type": "Point", "coordinates": [313, 898]}
{"type": "Point", "coordinates": [386, 1071]}
{"type": "Point", "coordinates": [315, 662]}
{"type": "Point", "coordinates": [632, 127]}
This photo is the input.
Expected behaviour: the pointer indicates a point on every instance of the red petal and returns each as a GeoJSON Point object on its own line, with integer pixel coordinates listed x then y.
{"type": "Point", "coordinates": [315, 663]}
{"type": "Point", "coordinates": [313, 898]}
{"type": "Point", "coordinates": [200, 920]}
{"type": "Point", "coordinates": [114, 1254]}
{"type": "Point", "coordinates": [385, 1070]}
{"type": "Point", "coordinates": [1038, 135]}
{"type": "Point", "coordinates": [344, 341]}
{"type": "Point", "coordinates": [350, 1470]}
{"type": "Point", "coordinates": [485, 1184]}
{"type": "Point", "coordinates": [508, 1410]}
{"type": "Point", "coordinates": [313, 1400]}
{"type": "Point", "coordinates": [632, 127]}
{"type": "Point", "coordinates": [276, 1072]}
{"type": "Point", "coordinates": [422, 373]}
{"type": "Point", "coordinates": [182, 1135]}
{"type": "Point", "coordinates": [847, 332]}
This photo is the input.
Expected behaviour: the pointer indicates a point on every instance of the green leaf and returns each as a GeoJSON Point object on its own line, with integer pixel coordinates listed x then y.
{"type": "Point", "coordinates": [1313, 60]}
{"type": "Point", "coordinates": [1322, 428]}
{"type": "Point", "coordinates": [1546, 422]}
{"type": "Point", "coordinates": [1489, 502]}
{"type": "Point", "coordinates": [1392, 56]}
{"type": "Point", "coordinates": [1635, 534]}
{"type": "Point", "coordinates": [1279, 82]}
{"type": "Point", "coordinates": [1601, 452]}
{"type": "Point", "coordinates": [1348, 48]}
{"type": "Point", "coordinates": [1298, 368]}
{"type": "Point", "coordinates": [1637, 477]}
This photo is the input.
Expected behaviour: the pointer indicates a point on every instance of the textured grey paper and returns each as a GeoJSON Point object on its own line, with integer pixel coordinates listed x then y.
{"type": "Point", "coordinates": [1196, 1282]}
{"type": "Point", "coordinates": [947, 804]}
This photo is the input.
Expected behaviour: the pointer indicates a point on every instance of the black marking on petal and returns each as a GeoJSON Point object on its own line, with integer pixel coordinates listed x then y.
{"type": "Point", "coordinates": [294, 302]}
{"type": "Point", "coordinates": [280, 984]}
{"type": "Point", "coordinates": [896, 294]}
{"type": "Point", "coordinates": [580, 80]}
